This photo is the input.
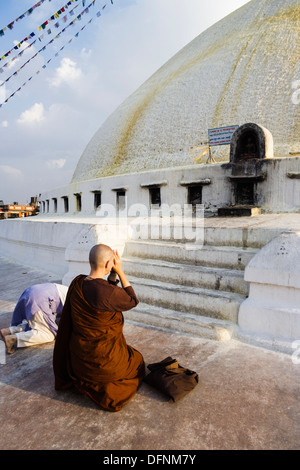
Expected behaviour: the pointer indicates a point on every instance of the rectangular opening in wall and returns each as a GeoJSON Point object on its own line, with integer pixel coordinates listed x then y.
{"type": "Point", "coordinates": [244, 193]}
{"type": "Point", "coordinates": [47, 202]}
{"type": "Point", "coordinates": [155, 197]}
{"type": "Point", "coordinates": [97, 199]}
{"type": "Point", "coordinates": [66, 203]}
{"type": "Point", "coordinates": [78, 202]}
{"type": "Point", "coordinates": [121, 200]}
{"type": "Point", "coordinates": [195, 195]}
{"type": "Point", "coordinates": [54, 204]}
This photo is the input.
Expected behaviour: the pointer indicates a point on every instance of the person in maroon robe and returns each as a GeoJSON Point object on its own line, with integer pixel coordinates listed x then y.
{"type": "Point", "coordinates": [90, 352]}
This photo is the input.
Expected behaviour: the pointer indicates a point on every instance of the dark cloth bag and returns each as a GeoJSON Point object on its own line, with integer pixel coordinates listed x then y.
{"type": "Point", "coordinates": [171, 379]}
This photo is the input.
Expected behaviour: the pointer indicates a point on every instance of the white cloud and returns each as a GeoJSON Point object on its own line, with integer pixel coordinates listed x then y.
{"type": "Point", "coordinates": [4, 124]}
{"type": "Point", "coordinates": [33, 114]}
{"type": "Point", "coordinates": [56, 164]}
{"type": "Point", "coordinates": [10, 171]}
{"type": "Point", "coordinates": [67, 72]}
{"type": "Point", "coordinates": [86, 53]}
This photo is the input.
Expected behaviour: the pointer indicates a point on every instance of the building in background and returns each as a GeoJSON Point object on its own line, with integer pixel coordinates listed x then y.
{"type": "Point", "coordinates": [14, 210]}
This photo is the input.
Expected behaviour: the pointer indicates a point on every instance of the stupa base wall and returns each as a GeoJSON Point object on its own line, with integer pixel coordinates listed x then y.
{"type": "Point", "coordinates": [277, 191]}
{"type": "Point", "coordinates": [38, 243]}
{"type": "Point", "coordinates": [60, 242]}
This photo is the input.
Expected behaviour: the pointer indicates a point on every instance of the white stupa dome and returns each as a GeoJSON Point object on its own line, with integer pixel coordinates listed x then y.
{"type": "Point", "coordinates": [243, 69]}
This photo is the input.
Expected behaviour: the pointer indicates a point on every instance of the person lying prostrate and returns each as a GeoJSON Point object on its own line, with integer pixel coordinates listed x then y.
{"type": "Point", "coordinates": [35, 317]}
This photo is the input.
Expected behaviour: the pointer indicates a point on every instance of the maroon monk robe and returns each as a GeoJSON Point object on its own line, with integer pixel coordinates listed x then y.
{"type": "Point", "coordinates": [90, 352]}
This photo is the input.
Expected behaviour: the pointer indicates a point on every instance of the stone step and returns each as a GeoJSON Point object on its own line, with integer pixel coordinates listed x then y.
{"type": "Point", "coordinates": [172, 320]}
{"type": "Point", "coordinates": [229, 257]}
{"type": "Point", "coordinates": [213, 233]}
{"type": "Point", "coordinates": [219, 279]}
{"type": "Point", "coordinates": [246, 237]}
{"type": "Point", "coordinates": [194, 300]}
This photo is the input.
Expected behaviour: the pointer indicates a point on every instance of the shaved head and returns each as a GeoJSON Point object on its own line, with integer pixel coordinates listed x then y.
{"type": "Point", "coordinates": [99, 255]}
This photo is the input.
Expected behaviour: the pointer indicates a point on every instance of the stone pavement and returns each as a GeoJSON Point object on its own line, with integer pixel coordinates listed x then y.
{"type": "Point", "coordinates": [247, 397]}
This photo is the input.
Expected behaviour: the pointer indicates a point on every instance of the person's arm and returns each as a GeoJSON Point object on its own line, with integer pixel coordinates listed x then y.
{"type": "Point", "coordinates": [123, 278]}
{"type": "Point", "coordinates": [122, 298]}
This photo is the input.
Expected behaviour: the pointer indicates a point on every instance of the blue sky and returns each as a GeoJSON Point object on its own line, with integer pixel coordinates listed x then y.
{"type": "Point", "coordinates": [45, 127]}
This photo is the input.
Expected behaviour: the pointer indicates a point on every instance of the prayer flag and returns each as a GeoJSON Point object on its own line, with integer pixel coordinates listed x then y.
{"type": "Point", "coordinates": [43, 26]}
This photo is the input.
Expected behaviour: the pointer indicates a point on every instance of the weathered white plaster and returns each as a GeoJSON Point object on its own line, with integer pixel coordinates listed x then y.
{"type": "Point", "coordinates": [273, 306]}
{"type": "Point", "coordinates": [77, 251]}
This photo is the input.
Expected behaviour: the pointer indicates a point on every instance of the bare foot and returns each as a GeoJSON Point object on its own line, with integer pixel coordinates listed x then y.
{"type": "Point", "coordinates": [10, 343]}
{"type": "Point", "coordinates": [5, 332]}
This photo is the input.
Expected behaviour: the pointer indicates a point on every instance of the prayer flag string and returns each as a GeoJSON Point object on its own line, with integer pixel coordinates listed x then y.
{"type": "Point", "coordinates": [57, 53]}
{"type": "Point", "coordinates": [46, 45]}
{"type": "Point", "coordinates": [17, 46]}
{"type": "Point", "coordinates": [56, 15]}
{"type": "Point", "coordinates": [28, 12]}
